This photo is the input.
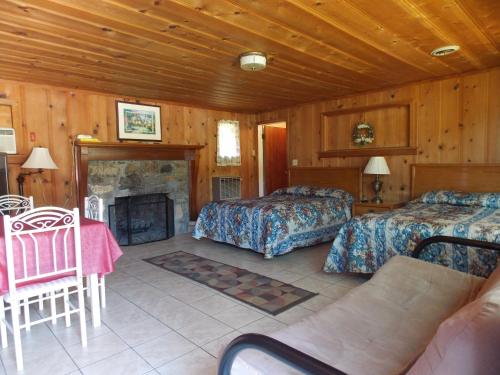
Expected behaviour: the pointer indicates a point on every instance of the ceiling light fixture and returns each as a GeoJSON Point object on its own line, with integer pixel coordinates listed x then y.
{"type": "Point", "coordinates": [253, 61]}
{"type": "Point", "coordinates": [445, 50]}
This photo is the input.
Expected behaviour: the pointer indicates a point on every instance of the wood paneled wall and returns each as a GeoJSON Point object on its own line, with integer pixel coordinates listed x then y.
{"type": "Point", "coordinates": [457, 120]}
{"type": "Point", "coordinates": [51, 117]}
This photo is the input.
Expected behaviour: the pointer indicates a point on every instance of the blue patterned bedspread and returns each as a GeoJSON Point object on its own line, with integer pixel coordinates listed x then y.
{"type": "Point", "coordinates": [276, 224]}
{"type": "Point", "coordinates": [366, 242]}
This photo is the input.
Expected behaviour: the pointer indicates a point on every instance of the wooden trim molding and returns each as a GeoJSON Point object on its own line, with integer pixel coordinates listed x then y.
{"type": "Point", "coordinates": [381, 151]}
{"type": "Point", "coordinates": [86, 151]}
{"type": "Point", "coordinates": [406, 148]}
{"type": "Point", "coordinates": [367, 108]}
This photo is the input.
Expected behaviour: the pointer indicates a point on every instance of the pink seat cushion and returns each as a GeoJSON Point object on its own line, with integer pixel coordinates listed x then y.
{"type": "Point", "coordinates": [468, 342]}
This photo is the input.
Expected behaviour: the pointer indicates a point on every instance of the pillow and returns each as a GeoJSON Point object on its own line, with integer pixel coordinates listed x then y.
{"type": "Point", "coordinates": [491, 200]}
{"type": "Point", "coordinates": [468, 342]}
{"type": "Point", "coordinates": [311, 191]}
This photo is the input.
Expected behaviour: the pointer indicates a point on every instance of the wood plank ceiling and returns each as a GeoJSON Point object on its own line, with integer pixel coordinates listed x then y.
{"type": "Point", "coordinates": [187, 50]}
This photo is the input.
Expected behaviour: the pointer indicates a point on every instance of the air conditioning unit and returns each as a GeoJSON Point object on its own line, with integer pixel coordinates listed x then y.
{"type": "Point", "coordinates": [8, 140]}
{"type": "Point", "coordinates": [225, 188]}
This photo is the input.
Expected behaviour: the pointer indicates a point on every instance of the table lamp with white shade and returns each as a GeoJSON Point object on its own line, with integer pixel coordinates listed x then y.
{"type": "Point", "coordinates": [377, 166]}
{"type": "Point", "coordinates": [39, 159]}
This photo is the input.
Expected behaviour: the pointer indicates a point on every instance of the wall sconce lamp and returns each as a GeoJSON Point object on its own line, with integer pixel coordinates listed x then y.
{"type": "Point", "coordinates": [39, 159]}
{"type": "Point", "coordinates": [377, 166]}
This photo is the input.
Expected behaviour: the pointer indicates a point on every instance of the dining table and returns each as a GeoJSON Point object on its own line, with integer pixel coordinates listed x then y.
{"type": "Point", "coordinates": [99, 250]}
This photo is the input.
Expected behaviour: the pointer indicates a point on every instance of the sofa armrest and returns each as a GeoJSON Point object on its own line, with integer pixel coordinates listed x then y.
{"type": "Point", "coordinates": [454, 240]}
{"type": "Point", "coordinates": [276, 349]}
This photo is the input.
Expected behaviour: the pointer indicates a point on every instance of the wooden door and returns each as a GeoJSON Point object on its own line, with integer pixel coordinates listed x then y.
{"type": "Point", "coordinates": [275, 158]}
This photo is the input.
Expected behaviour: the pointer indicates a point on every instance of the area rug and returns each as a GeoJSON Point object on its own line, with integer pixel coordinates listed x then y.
{"type": "Point", "coordinates": [262, 292]}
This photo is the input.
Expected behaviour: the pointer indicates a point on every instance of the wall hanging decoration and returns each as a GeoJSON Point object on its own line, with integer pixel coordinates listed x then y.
{"type": "Point", "coordinates": [138, 121]}
{"type": "Point", "coordinates": [362, 134]}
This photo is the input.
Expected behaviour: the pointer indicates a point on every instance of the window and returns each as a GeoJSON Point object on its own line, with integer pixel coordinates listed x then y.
{"type": "Point", "coordinates": [228, 143]}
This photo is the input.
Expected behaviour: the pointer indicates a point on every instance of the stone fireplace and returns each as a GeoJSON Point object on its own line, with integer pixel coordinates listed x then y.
{"type": "Point", "coordinates": [112, 179]}
{"type": "Point", "coordinates": [115, 170]}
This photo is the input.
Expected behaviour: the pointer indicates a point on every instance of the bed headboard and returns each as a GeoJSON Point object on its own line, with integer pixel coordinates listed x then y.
{"type": "Point", "coordinates": [346, 178]}
{"type": "Point", "coordinates": [474, 178]}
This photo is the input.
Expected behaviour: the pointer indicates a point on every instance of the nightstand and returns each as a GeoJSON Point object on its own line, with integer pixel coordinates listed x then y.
{"type": "Point", "coordinates": [361, 208]}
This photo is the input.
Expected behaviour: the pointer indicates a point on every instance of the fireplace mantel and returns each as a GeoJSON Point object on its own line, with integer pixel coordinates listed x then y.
{"type": "Point", "coordinates": [87, 151]}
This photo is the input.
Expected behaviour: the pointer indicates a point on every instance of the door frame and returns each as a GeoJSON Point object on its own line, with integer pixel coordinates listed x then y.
{"type": "Point", "coordinates": [261, 155]}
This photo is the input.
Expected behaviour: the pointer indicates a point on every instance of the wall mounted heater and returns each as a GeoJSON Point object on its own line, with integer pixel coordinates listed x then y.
{"type": "Point", "coordinates": [225, 188]}
{"type": "Point", "coordinates": [8, 140]}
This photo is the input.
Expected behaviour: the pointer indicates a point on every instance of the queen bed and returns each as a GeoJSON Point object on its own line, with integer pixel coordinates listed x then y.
{"type": "Point", "coordinates": [310, 211]}
{"type": "Point", "coordinates": [452, 200]}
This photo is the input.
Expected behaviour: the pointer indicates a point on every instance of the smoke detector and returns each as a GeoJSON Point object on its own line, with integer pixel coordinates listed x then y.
{"type": "Point", "coordinates": [445, 50]}
{"type": "Point", "coordinates": [253, 61]}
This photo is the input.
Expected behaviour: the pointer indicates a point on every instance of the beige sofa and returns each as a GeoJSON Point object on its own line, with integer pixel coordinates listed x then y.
{"type": "Point", "coordinates": [411, 317]}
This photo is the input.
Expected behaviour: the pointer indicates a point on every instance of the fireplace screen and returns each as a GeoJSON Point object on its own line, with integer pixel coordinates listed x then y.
{"type": "Point", "coordinates": [142, 218]}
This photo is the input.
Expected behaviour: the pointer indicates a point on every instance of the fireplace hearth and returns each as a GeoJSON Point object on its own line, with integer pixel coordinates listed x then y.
{"type": "Point", "coordinates": [143, 218]}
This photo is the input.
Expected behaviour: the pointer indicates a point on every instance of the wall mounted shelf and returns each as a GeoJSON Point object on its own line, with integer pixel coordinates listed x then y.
{"type": "Point", "coordinates": [380, 151]}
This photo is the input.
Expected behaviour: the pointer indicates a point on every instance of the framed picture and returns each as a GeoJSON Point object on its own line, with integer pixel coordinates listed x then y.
{"type": "Point", "coordinates": [138, 121]}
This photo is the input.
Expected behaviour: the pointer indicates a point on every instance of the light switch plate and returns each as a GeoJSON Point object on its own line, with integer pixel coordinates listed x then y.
{"type": "Point", "coordinates": [295, 162]}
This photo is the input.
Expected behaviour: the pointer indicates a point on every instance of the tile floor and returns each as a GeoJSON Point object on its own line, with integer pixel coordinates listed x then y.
{"type": "Point", "coordinates": [157, 322]}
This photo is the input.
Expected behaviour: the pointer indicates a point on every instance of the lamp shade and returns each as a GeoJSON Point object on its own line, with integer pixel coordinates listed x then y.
{"type": "Point", "coordinates": [40, 159]}
{"type": "Point", "coordinates": [377, 165]}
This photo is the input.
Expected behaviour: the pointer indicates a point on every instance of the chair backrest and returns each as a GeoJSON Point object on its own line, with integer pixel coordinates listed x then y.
{"type": "Point", "coordinates": [15, 204]}
{"type": "Point", "coordinates": [42, 244]}
{"type": "Point", "coordinates": [94, 208]}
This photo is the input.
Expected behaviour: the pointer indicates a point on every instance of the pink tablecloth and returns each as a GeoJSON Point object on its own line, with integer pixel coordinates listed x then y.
{"type": "Point", "coordinates": [100, 250]}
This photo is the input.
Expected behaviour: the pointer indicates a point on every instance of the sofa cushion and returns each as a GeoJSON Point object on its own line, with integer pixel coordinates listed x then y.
{"type": "Point", "coordinates": [380, 327]}
{"type": "Point", "coordinates": [469, 341]}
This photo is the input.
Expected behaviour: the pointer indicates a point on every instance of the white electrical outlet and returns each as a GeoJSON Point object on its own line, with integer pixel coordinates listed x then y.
{"type": "Point", "coordinates": [295, 162]}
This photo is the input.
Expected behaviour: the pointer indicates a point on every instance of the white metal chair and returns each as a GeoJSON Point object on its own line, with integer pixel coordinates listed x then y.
{"type": "Point", "coordinates": [15, 204]}
{"type": "Point", "coordinates": [94, 209]}
{"type": "Point", "coordinates": [42, 244]}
